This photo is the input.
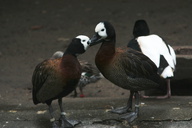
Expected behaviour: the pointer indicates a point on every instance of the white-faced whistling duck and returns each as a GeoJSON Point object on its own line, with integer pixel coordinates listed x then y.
{"type": "Point", "coordinates": [55, 78]}
{"type": "Point", "coordinates": [126, 68]}
{"type": "Point", "coordinates": [153, 46]}
{"type": "Point", "coordinates": [90, 74]}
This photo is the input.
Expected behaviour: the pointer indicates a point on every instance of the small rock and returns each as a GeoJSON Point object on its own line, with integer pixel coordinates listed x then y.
{"type": "Point", "coordinates": [12, 111]}
{"type": "Point", "coordinates": [36, 27]}
{"type": "Point", "coordinates": [41, 112]}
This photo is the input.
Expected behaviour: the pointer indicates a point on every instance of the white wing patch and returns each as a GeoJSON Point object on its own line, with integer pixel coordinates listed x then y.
{"type": "Point", "coordinates": [153, 46]}
{"type": "Point", "coordinates": [173, 55]}
{"type": "Point", "coordinates": [167, 72]}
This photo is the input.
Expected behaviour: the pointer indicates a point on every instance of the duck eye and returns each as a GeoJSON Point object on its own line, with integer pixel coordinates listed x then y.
{"type": "Point", "coordinates": [83, 40]}
{"type": "Point", "coordinates": [102, 29]}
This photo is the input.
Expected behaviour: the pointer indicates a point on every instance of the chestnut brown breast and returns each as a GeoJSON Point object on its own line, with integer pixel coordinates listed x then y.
{"type": "Point", "coordinates": [55, 78]}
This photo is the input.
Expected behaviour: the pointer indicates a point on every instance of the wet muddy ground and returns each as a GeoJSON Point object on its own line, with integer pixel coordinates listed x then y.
{"type": "Point", "coordinates": [93, 113]}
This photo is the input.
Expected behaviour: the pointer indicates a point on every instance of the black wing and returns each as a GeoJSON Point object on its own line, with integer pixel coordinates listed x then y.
{"type": "Point", "coordinates": [38, 79]}
{"type": "Point", "coordinates": [134, 45]}
{"type": "Point", "coordinates": [139, 66]}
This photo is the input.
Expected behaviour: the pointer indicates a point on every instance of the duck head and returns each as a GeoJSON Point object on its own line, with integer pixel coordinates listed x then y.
{"type": "Point", "coordinates": [140, 28]}
{"type": "Point", "coordinates": [104, 32]}
{"type": "Point", "coordinates": [78, 45]}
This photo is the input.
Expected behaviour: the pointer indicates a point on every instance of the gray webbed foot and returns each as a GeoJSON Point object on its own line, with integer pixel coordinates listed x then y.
{"type": "Point", "coordinates": [54, 125]}
{"type": "Point", "coordinates": [130, 117]}
{"type": "Point", "coordinates": [74, 122]}
{"type": "Point", "coordinates": [121, 110]}
{"type": "Point", "coordinates": [65, 123]}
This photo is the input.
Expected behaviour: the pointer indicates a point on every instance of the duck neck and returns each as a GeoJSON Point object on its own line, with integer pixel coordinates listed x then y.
{"type": "Point", "coordinates": [68, 58]}
{"type": "Point", "coordinates": [105, 54]}
{"type": "Point", "coordinates": [68, 52]}
{"type": "Point", "coordinates": [107, 48]}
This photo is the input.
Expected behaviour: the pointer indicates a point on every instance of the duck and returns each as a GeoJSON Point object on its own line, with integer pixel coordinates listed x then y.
{"type": "Point", "coordinates": [158, 50]}
{"type": "Point", "coordinates": [54, 79]}
{"type": "Point", "coordinates": [124, 67]}
{"type": "Point", "coordinates": [90, 74]}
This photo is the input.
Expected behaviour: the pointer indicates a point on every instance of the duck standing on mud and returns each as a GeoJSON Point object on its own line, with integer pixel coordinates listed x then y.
{"type": "Point", "coordinates": [124, 67]}
{"type": "Point", "coordinates": [55, 78]}
{"type": "Point", "coordinates": [154, 47]}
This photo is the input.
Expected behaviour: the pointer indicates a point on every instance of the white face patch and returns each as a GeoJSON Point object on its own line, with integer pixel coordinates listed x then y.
{"type": "Point", "coordinates": [84, 40]}
{"type": "Point", "coordinates": [101, 30]}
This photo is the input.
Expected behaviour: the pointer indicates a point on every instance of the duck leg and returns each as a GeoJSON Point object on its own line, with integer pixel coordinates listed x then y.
{"type": "Point", "coordinates": [133, 115]}
{"type": "Point", "coordinates": [168, 94]}
{"type": "Point", "coordinates": [75, 93]}
{"type": "Point", "coordinates": [52, 120]}
{"type": "Point", "coordinates": [81, 91]}
{"type": "Point", "coordinates": [125, 109]}
{"type": "Point", "coordinates": [64, 122]}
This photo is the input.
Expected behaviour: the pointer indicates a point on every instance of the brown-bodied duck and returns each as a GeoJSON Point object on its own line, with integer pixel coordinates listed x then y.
{"type": "Point", "coordinates": [55, 78]}
{"type": "Point", "coordinates": [90, 74]}
{"type": "Point", "coordinates": [156, 48]}
{"type": "Point", "coordinates": [125, 67]}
